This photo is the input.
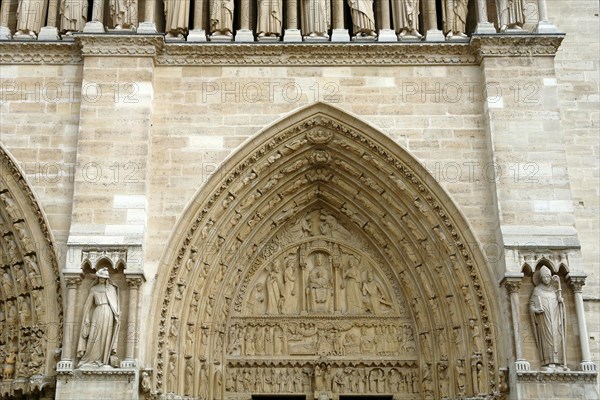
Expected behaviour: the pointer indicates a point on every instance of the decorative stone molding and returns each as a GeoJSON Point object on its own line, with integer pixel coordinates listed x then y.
{"type": "Point", "coordinates": [31, 303]}
{"type": "Point", "coordinates": [119, 45]}
{"type": "Point", "coordinates": [14, 52]}
{"type": "Point", "coordinates": [263, 197]}
{"type": "Point", "coordinates": [499, 45]}
{"type": "Point", "coordinates": [319, 54]}
{"type": "Point", "coordinates": [413, 53]}
{"type": "Point", "coordinates": [568, 377]}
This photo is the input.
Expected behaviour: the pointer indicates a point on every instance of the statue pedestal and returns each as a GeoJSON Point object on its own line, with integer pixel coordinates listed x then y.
{"type": "Point", "coordinates": [340, 35]}
{"type": "Point", "coordinates": [387, 35]}
{"type": "Point", "coordinates": [94, 27]}
{"type": "Point", "coordinates": [522, 365]}
{"type": "Point", "coordinates": [24, 36]}
{"type": "Point", "coordinates": [292, 35]}
{"type": "Point", "coordinates": [197, 35]}
{"type": "Point", "coordinates": [268, 39]}
{"type": "Point", "coordinates": [5, 33]}
{"type": "Point", "coordinates": [108, 384]}
{"type": "Point", "coordinates": [147, 28]}
{"type": "Point", "coordinates": [219, 37]}
{"type": "Point", "coordinates": [485, 28]}
{"type": "Point", "coordinates": [49, 33]}
{"type": "Point", "coordinates": [545, 27]}
{"type": "Point", "coordinates": [588, 366]}
{"type": "Point", "coordinates": [64, 366]}
{"type": "Point", "coordinates": [244, 35]}
{"type": "Point", "coordinates": [434, 35]}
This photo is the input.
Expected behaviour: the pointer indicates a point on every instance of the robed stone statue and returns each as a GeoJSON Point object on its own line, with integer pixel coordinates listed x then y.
{"type": "Point", "coordinates": [363, 18]}
{"type": "Point", "coordinates": [31, 16]}
{"type": "Point", "coordinates": [548, 314]}
{"type": "Point", "coordinates": [100, 324]}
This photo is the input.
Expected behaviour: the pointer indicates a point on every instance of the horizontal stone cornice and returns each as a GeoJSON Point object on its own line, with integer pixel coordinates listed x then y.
{"type": "Point", "coordinates": [283, 54]}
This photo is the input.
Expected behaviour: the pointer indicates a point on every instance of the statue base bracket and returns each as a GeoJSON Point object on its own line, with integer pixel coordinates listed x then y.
{"type": "Point", "coordinates": [544, 27]}
{"type": "Point", "coordinates": [434, 35]}
{"type": "Point", "coordinates": [49, 33]}
{"type": "Point", "coordinates": [197, 35]}
{"type": "Point", "coordinates": [94, 27]}
{"type": "Point", "coordinates": [244, 35]}
{"type": "Point", "coordinates": [387, 35]}
{"type": "Point", "coordinates": [5, 33]}
{"type": "Point", "coordinates": [147, 28]}
{"type": "Point", "coordinates": [485, 28]}
{"type": "Point", "coordinates": [292, 35]}
{"type": "Point", "coordinates": [340, 35]}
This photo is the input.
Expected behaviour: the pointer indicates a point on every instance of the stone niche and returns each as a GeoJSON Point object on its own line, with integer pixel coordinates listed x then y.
{"type": "Point", "coordinates": [98, 361]}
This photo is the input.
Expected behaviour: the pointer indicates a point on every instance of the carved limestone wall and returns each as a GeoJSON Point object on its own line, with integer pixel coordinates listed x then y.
{"type": "Point", "coordinates": [30, 290]}
{"type": "Point", "coordinates": [315, 244]}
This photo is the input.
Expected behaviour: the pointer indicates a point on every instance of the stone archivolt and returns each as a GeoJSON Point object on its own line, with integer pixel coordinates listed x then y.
{"type": "Point", "coordinates": [323, 189]}
{"type": "Point", "coordinates": [30, 331]}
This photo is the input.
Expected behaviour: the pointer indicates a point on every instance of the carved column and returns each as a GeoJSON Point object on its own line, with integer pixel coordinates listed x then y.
{"type": "Point", "coordinates": [339, 34]}
{"type": "Point", "coordinates": [386, 34]}
{"type": "Point", "coordinates": [512, 283]}
{"type": "Point", "coordinates": [577, 281]}
{"type": "Point", "coordinates": [244, 34]}
{"type": "Point", "coordinates": [149, 24]}
{"type": "Point", "coordinates": [483, 25]}
{"type": "Point", "coordinates": [134, 283]}
{"type": "Point", "coordinates": [292, 33]}
{"type": "Point", "coordinates": [544, 25]}
{"type": "Point", "coordinates": [197, 34]}
{"type": "Point", "coordinates": [432, 34]}
{"type": "Point", "coordinates": [66, 362]}
{"type": "Point", "coordinates": [50, 31]}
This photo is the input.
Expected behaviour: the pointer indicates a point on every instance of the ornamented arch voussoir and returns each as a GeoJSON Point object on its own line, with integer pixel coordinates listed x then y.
{"type": "Point", "coordinates": [202, 214]}
{"type": "Point", "coordinates": [30, 285]}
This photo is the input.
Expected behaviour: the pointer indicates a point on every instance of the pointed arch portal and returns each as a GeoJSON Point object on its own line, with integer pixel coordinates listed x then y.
{"type": "Point", "coordinates": [322, 258]}
{"type": "Point", "coordinates": [30, 291]}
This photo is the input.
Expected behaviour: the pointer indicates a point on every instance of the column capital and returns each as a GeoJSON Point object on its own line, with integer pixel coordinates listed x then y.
{"type": "Point", "coordinates": [72, 281]}
{"type": "Point", "coordinates": [512, 282]}
{"type": "Point", "coordinates": [135, 280]}
{"type": "Point", "coordinates": [576, 280]}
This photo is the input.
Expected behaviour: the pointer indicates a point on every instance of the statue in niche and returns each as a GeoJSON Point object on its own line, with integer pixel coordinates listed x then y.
{"type": "Point", "coordinates": [177, 13]}
{"type": "Point", "coordinates": [316, 18]}
{"type": "Point", "coordinates": [31, 16]}
{"type": "Point", "coordinates": [11, 206]}
{"type": "Point", "coordinates": [455, 18]}
{"type": "Point", "coordinates": [269, 18]}
{"type": "Point", "coordinates": [461, 378]}
{"type": "Point", "coordinates": [188, 387]}
{"type": "Point", "coordinates": [100, 325]}
{"type": "Point", "coordinates": [405, 14]}
{"type": "Point", "coordinates": [547, 310]}
{"type": "Point", "coordinates": [73, 15]}
{"type": "Point", "coordinates": [290, 305]}
{"type": "Point", "coordinates": [221, 18]}
{"type": "Point", "coordinates": [123, 13]}
{"type": "Point", "coordinates": [374, 297]}
{"type": "Point", "coordinates": [363, 18]}
{"type": "Point", "coordinates": [274, 290]}
{"type": "Point", "coordinates": [319, 289]}
{"type": "Point", "coordinates": [7, 285]}
{"type": "Point", "coordinates": [258, 306]}
{"type": "Point", "coordinates": [511, 14]}
{"type": "Point", "coordinates": [351, 283]}
{"type": "Point", "coordinates": [24, 237]}
{"type": "Point", "coordinates": [339, 382]}
{"type": "Point", "coordinates": [394, 380]}
{"type": "Point", "coordinates": [11, 313]}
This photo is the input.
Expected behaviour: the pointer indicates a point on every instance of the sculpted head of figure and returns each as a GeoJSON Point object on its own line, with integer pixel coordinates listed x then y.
{"type": "Point", "coordinates": [102, 274]}
{"type": "Point", "coordinates": [545, 275]}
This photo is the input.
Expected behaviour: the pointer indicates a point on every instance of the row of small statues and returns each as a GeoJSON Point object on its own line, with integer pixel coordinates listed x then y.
{"type": "Point", "coordinates": [342, 380]}
{"type": "Point", "coordinates": [316, 17]}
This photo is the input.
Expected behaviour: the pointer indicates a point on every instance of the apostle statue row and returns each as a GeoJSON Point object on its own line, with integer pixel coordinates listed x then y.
{"type": "Point", "coordinates": [316, 17]}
